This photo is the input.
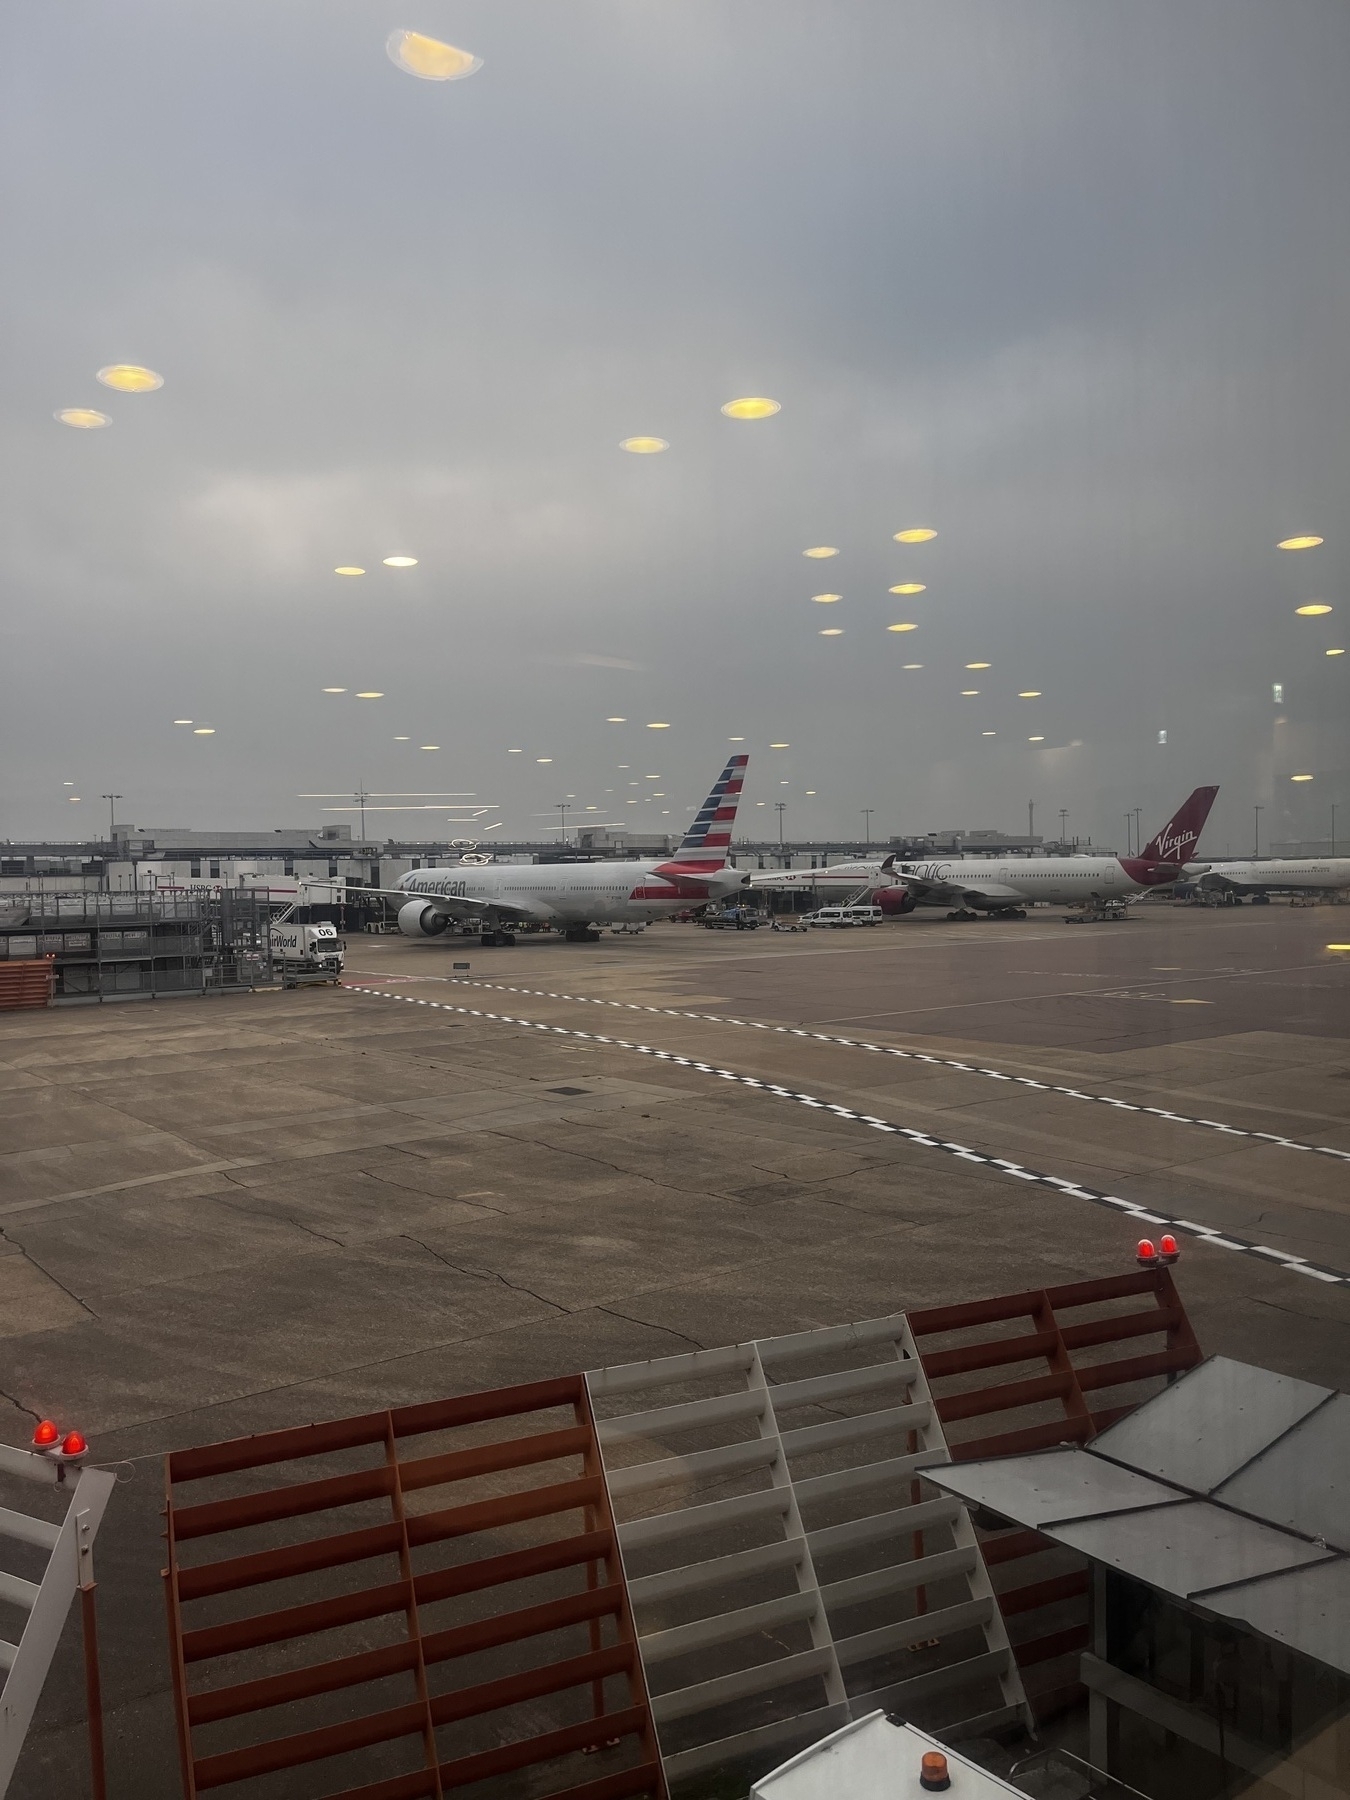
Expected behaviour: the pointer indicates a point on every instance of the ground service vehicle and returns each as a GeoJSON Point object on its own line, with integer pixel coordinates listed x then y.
{"type": "Point", "coordinates": [307, 952]}
{"type": "Point", "coordinates": [839, 916]}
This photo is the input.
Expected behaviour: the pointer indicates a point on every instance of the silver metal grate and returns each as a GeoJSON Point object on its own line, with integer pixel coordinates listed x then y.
{"type": "Point", "coordinates": [788, 1567]}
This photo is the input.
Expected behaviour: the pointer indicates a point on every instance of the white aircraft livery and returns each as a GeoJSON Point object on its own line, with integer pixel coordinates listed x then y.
{"type": "Point", "coordinates": [578, 896]}
{"type": "Point", "coordinates": [839, 878]}
{"type": "Point", "coordinates": [1004, 887]}
{"type": "Point", "coordinates": [1278, 875]}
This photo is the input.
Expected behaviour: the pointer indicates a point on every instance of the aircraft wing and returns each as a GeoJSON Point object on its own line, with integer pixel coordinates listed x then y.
{"type": "Point", "coordinates": [459, 906]}
{"type": "Point", "coordinates": [939, 893]}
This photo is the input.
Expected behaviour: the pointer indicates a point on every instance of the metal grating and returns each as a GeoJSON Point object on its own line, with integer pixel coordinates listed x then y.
{"type": "Point", "coordinates": [418, 1601]}
{"type": "Point", "coordinates": [46, 1562]}
{"type": "Point", "coordinates": [786, 1568]}
{"type": "Point", "coordinates": [1049, 1390]}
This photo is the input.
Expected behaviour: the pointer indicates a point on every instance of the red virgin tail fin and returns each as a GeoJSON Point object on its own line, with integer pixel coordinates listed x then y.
{"type": "Point", "coordinates": [1175, 843]}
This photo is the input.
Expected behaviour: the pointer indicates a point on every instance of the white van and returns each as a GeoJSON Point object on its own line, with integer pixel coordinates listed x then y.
{"type": "Point", "coordinates": [838, 916]}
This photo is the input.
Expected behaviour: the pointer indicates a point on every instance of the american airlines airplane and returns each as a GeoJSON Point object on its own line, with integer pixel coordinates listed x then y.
{"type": "Point", "coordinates": [579, 896]}
{"type": "Point", "coordinates": [1278, 875]}
{"type": "Point", "coordinates": [1004, 887]}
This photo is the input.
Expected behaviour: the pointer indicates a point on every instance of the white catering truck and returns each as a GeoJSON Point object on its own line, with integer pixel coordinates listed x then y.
{"type": "Point", "coordinates": [307, 952]}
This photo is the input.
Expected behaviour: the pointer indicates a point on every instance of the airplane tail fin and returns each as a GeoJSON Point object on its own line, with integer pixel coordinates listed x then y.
{"type": "Point", "coordinates": [708, 840]}
{"type": "Point", "coordinates": [1178, 838]}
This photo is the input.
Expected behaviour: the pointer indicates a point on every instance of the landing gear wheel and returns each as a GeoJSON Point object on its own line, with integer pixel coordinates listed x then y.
{"type": "Point", "coordinates": [590, 937]}
{"type": "Point", "coordinates": [488, 939]}
{"type": "Point", "coordinates": [506, 937]}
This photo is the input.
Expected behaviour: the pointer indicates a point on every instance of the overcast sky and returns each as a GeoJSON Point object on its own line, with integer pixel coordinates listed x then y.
{"type": "Point", "coordinates": [1065, 280]}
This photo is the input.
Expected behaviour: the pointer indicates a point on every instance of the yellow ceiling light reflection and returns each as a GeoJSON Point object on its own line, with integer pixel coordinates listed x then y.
{"type": "Point", "coordinates": [335, 690]}
{"type": "Point", "coordinates": [969, 693]}
{"type": "Point", "coordinates": [1338, 946]}
{"type": "Point", "coordinates": [911, 665]}
{"type": "Point", "coordinates": [988, 734]}
{"type": "Point", "coordinates": [904, 625]}
{"type": "Point", "coordinates": [1313, 610]}
{"type": "Point", "coordinates": [911, 587]}
{"type": "Point", "coordinates": [833, 631]}
{"type": "Point", "coordinates": [1300, 778]}
{"type": "Point", "coordinates": [348, 569]}
{"type": "Point", "coordinates": [821, 550]}
{"type": "Point", "coordinates": [182, 721]}
{"type": "Point", "coordinates": [400, 562]}
{"type": "Point", "coordinates": [402, 740]}
{"type": "Point", "coordinates": [370, 694]}
{"type": "Point", "coordinates": [428, 58]}
{"type": "Point", "coordinates": [739, 740]}
{"type": "Point", "coordinates": [515, 753]}
{"type": "Point", "coordinates": [614, 719]}
{"type": "Point", "coordinates": [83, 418]}
{"type": "Point", "coordinates": [979, 665]}
{"type": "Point", "coordinates": [543, 759]}
{"type": "Point", "coordinates": [780, 746]}
{"type": "Point", "coordinates": [915, 534]}
{"type": "Point", "coordinates": [644, 446]}
{"type": "Point", "coordinates": [1299, 543]}
{"type": "Point", "coordinates": [753, 406]}
{"type": "Point", "coordinates": [205, 731]}
{"type": "Point", "coordinates": [1334, 653]}
{"type": "Point", "coordinates": [1030, 694]}
{"type": "Point", "coordinates": [130, 378]}
{"type": "Point", "coordinates": [1035, 740]}
{"type": "Point", "coordinates": [658, 725]}
{"type": "Point", "coordinates": [826, 599]}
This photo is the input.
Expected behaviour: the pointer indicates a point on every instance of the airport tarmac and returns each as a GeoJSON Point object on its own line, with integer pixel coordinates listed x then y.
{"type": "Point", "coordinates": [230, 1215]}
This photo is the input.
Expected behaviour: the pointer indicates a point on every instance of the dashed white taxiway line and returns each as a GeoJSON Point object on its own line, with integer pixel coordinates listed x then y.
{"type": "Point", "coordinates": [942, 1062]}
{"type": "Point", "coordinates": [1073, 1190]}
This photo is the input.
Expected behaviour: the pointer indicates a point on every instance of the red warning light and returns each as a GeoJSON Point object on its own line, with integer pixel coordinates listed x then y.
{"type": "Point", "coordinates": [933, 1773]}
{"type": "Point", "coordinates": [45, 1434]}
{"type": "Point", "coordinates": [1168, 1248]}
{"type": "Point", "coordinates": [1145, 1255]}
{"type": "Point", "coordinates": [73, 1444]}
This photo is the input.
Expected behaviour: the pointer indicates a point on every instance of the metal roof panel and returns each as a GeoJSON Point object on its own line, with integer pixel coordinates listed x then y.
{"type": "Point", "coordinates": [1303, 1480]}
{"type": "Point", "coordinates": [1186, 1549]}
{"type": "Point", "coordinates": [1051, 1485]}
{"type": "Point", "coordinates": [1308, 1610]}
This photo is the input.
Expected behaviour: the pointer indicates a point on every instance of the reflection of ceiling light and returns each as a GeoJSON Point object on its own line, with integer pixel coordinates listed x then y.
{"type": "Point", "coordinates": [205, 731]}
{"type": "Point", "coordinates": [754, 407]}
{"type": "Point", "coordinates": [833, 631]}
{"type": "Point", "coordinates": [616, 720]}
{"type": "Point", "coordinates": [651, 778]}
{"type": "Point", "coordinates": [428, 58]}
{"type": "Point", "coordinates": [780, 746]}
{"type": "Point", "coordinates": [543, 759]}
{"type": "Point", "coordinates": [659, 725]}
{"type": "Point", "coordinates": [74, 799]}
{"type": "Point", "coordinates": [1335, 653]}
{"type": "Point", "coordinates": [83, 418]}
{"type": "Point", "coordinates": [182, 721]}
{"type": "Point", "coordinates": [905, 625]}
{"type": "Point", "coordinates": [402, 740]}
{"type": "Point", "coordinates": [515, 753]}
{"type": "Point", "coordinates": [819, 550]}
{"type": "Point", "coordinates": [988, 734]}
{"type": "Point", "coordinates": [428, 746]}
{"type": "Point", "coordinates": [1298, 543]}
{"type": "Point", "coordinates": [349, 569]}
{"type": "Point", "coordinates": [911, 665]}
{"type": "Point", "coordinates": [644, 446]}
{"type": "Point", "coordinates": [130, 378]}
{"type": "Point", "coordinates": [1036, 740]}
{"type": "Point", "coordinates": [915, 534]}
{"type": "Point", "coordinates": [400, 562]}
{"type": "Point", "coordinates": [739, 740]}
{"type": "Point", "coordinates": [1030, 694]}
{"type": "Point", "coordinates": [1313, 610]}
{"type": "Point", "coordinates": [335, 690]}
{"type": "Point", "coordinates": [979, 665]}
{"type": "Point", "coordinates": [911, 587]}
{"type": "Point", "coordinates": [1300, 778]}
{"type": "Point", "coordinates": [810, 792]}
{"type": "Point", "coordinates": [969, 693]}
{"type": "Point", "coordinates": [370, 694]}
{"type": "Point", "coordinates": [826, 599]}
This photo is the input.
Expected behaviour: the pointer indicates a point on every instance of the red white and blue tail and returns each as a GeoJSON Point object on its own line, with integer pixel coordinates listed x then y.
{"type": "Point", "coordinates": [707, 842]}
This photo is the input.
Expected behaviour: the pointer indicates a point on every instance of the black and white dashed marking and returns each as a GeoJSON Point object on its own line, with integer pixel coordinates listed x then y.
{"type": "Point", "coordinates": [943, 1062]}
{"type": "Point", "coordinates": [1073, 1190]}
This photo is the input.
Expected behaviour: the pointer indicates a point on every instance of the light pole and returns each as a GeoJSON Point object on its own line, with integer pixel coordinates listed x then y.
{"type": "Point", "coordinates": [1129, 842]}
{"type": "Point", "coordinates": [1138, 835]}
{"type": "Point", "coordinates": [110, 798]}
{"type": "Point", "coordinates": [867, 812]}
{"type": "Point", "coordinates": [562, 808]}
{"type": "Point", "coordinates": [1031, 822]}
{"type": "Point", "coordinates": [1256, 851]}
{"type": "Point", "coordinates": [1333, 828]}
{"type": "Point", "coordinates": [781, 806]}
{"type": "Point", "coordinates": [1063, 825]}
{"type": "Point", "coordinates": [361, 796]}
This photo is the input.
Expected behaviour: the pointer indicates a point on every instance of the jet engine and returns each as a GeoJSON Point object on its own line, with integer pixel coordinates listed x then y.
{"type": "Point", "coordinates": [417, 919]}
{"type": "Point", "coordinates": [894, 901]}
